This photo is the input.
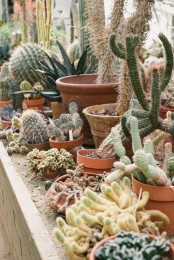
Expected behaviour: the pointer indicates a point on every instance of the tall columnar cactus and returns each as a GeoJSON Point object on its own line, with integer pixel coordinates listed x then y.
{"type": "Point", "coordinates": [34, 129]}
{"type": "Point", "coordinates": [5, 93]}
{"type": "Point", "coordinates": [21, 60]}
{"type": "Point", "coordinates": [147, 116]}
{"type": "Point", "coordinates": [5, 70]}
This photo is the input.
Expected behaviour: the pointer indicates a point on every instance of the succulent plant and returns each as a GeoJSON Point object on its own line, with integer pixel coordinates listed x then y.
{"type": "Point", "coordinates": [129, 245]}
{"type": "Point", "coordinates": [14, 145]}
{"type": "Point", "coordinates": [7, 113]}
{"type": "Point", "coordinates": [34, 128]}
{"type": "Point", "coordinates": [51, 160]}
{"type": "Point", "coordinates": [68, 122]}
{"type": "Point", "coordinates": [95, 216]}
{"type": "Point", "coordinates": [4, 52]}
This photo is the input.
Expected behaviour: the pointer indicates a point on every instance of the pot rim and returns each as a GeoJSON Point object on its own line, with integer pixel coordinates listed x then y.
{"type": "Point", "coordinates": [85, 111]}
{"type": "Point", "coordinates": [67, 144]}
{"type": "Point", "coordinates": [85, 151]}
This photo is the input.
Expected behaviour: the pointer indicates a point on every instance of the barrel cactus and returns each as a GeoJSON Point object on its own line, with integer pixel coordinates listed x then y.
{"type": "Point", "coordinates": [24, 57]}
{"type": "Point", "coordinates": [34, 129]}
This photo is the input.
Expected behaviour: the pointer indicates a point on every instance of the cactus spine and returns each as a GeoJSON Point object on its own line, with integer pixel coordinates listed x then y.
{"type": "Point", "coordinates": [34, 129]}
{"type": "Point", "coordinates": [23, 57]}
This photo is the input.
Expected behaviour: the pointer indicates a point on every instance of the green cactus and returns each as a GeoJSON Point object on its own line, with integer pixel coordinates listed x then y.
{"type": "Point", "coordinates": [25, 85]}
{"type": "Point", "coordinates": [5, 70]}
{"type": "Point", "coordinates": [22, 58]}
{"type": "Point", "coordinates": [4, 52]}
{"type": "Point", "coordinates": [148, 118]}
{"type": "Point", "coordinates": [5, 93]}
{"type": "Point", "coordinates": [73, 51]}
{"type": "Point", "coordinates": [34, 129]}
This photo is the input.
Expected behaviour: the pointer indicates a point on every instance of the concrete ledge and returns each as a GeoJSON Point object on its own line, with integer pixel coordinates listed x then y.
{"type": "Point", "coordinates": [27, 234]}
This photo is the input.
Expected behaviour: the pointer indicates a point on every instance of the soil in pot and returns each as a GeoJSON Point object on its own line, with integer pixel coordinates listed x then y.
{"type": "Point", "coordinates": [92, 163]}
{"type": "Point", "coordinates": [161, 198]}
{"type": "Point", "coordinates": [101, 119]}
{"type": "Point", "coordinates": [84, 90]}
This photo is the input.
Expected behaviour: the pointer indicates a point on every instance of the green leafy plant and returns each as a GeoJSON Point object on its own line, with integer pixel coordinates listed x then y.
{"type": "Point", "coordinates": [52, 69]}
{"type": "Point", "coordinates": [129, 245]}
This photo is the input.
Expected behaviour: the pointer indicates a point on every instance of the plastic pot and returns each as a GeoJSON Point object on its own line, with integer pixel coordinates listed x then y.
{"type": "Point", "coordinates": [161, 198]}
{"type": "Point", "coordinates": [94, 165]}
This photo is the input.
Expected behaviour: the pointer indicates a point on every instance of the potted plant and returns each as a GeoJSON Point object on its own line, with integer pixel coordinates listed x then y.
{"type": "Point", "coordinates": [129, 245]}
{"type": "Point", "coordinates": [95, 216]}
{"type": "Point", "coordinates": [5, 93]}
{"type": "Point", "coordinates": [64, 191]}
{"type": "Point", "coordinates": [6, 114]}
{"type": "Point", "coordinates": [67, 131]}
{"type": "Point", "coordinates": [50, 164]}
{"type": "Point", "coordinates": [34, 129]}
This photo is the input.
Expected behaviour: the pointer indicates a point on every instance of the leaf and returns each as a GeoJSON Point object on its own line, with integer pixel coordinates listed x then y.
{"type": "Point", "coordinates": [65, 58]}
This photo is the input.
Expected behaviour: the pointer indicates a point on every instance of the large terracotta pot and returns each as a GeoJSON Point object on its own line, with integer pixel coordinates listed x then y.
{"type": "Point", "coordinates": [94, 165]}
{"type": "Point", "coordinates": [35, 103]}
{"type": "Point", "coordinates": [6, 103]}
{"type": "Point", "coordinates": [57, 108]}
{"type": "Point", "coordinates": [100, 124]}
{"type": "Point", "coordinates": [43, 146]}
{"type": "Point", "coordinates": [84, 90]}
{"type": "Point", "coordinates": [71, 146]}
{"type": "Point", "coordinates": [161, 198]}
{"type": "Point", "coordinates": [103, 241]}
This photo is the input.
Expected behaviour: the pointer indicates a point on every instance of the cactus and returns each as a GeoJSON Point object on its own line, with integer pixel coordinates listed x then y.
{"type": "Point", "coordinates": [4, 51]}
{"type": "Point", "coordinates": [144, 164]}
{"type": "Point", "coordinates": [148, 119]}
{"type": "Point", "coordinates": [25, 85]}
{"type": "Point", "coordinates": [34, 129]}
{"type": "Point", "coordinates": [67, 122]}
{"type": "Point", "coordinates": [5, 70]}
{"type": "Point", "coordinates": [73, 51]}
{"type": "Point", "coordinates": [98, 215]}
{"type": "Point", "coordinates": [5, 93]}
{"type": "Point", "coordinates": [22, 58]}
{"type": "Point", "coordinates": [14, 146]}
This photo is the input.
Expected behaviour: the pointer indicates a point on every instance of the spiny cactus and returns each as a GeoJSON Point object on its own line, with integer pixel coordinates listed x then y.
{"type": "Point", "coordinates": [14, 146]}
{"type": "Point", "coordinates": [34, 129]}
{"type": "Point", "coordinates": [73, 51]}
{"type": "Point", "coordinates": [25, 85]}
{"type": "Point", "coordinates": [5, 93]}
{"type": "Point", "coordinates": [5, 70]}
{"type": "Point", "coordinates": [22, 58]}
{"type": "Point", "coordinates": [67, 122]}
{"type": "Point", "coordinates": [148, 115]}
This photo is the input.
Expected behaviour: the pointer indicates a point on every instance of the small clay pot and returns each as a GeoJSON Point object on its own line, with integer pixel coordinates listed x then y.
{"type": "Point", "coordinates": [51, 175]}
{"type": "Point", "coordinates": [103, 241]}
{"type": "Point", "coordinates": [5, 124]}
{"type": "Point", "coordinates": [44, 146]}
{"type": "Point", "coordinates": [35, 103]}
{"type": "Point", "coordinates": [57, 108]}
{"type": "Point", "coordinates": [5, 103]}
{"type": "Point", "coordinates": [94, 165]}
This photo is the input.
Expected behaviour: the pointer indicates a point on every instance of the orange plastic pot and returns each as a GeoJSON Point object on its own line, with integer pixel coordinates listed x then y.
{"type": "Point", "coordinates": [71, 146]}
{"type": "Point", "coordinates": [161, 198]}
{"type": "Point", "coordinates": [5, 103]}
{"type": "Point", "coordinates": [35, 103]}
{"type": "Point", "coordinates": [170, 254]}
{"type": "Point", "coordinates": [94, 165]}
{"type": "Point", "coordinates": [4, 124]}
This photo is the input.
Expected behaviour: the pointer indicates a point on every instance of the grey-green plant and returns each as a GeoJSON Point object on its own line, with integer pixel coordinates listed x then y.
{"type": "Point", "coordinates": [14, 146]}
{"type": "Point", "coordinates": [4, 51]}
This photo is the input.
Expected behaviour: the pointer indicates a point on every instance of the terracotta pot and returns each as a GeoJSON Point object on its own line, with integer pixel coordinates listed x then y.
{"type": "Point", "coordinates": [100, 124]}
{"type": "Point", "coordinates": [103, 241]}
{"type": "Point", "coordinates": [51, 195]}
{"type": "Point", "coordinates": [70, 146]}
{"type": "Point", "coordinates": [85, 92]}
{"type": "Point", "coordinates": [51, 175]}
{"type": "Point", "coordinates": [57, 108]}
{"type": "Point", "coordinates": [161, 198]}
{"type": "Point", "coordinates": [6, 103]}
{"type": "Point", "coordinates": [163, 111]}
{"type": "Point", "coordinates": [94, 165]}
{"type": "Point", "coordinates": [5, 124]}
{"type": "Point", "coordinates": [44, 146]}
{"type": "Point", "coordinates": [35, 103]}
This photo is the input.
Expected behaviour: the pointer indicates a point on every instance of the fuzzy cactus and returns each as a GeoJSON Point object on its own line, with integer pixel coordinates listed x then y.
{"type": "Point", "coordinates": [73, 51]}
{"type": "Point", "coordinates": [34, 129]}
{"type": "Point", "coordinates": [22, 58]}
{"type": "Point", "coordinates": [5, 70]}
{"type": "Point", "coordinates": [25, 85]}
{"type": "Point", "coordinates": [5, 92]}
{"type": "Point", "coordinates": [38, 87]}
{"type": "Point", "coordinates": [14, 145]}
{"type": "Point", "coordinates": [147, 115]}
